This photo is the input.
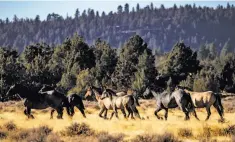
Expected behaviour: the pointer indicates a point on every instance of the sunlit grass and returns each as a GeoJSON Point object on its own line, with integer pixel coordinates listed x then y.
{"type": "Point", "coordinates": [175, 124]}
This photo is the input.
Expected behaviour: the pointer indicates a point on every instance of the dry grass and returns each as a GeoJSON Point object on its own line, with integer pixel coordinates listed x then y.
{"type": "Point", "coordinates": [167, 137]}
{"type": "Point", "coordinates": [185, 133]}
{"type": "Point", "coordinates": [14, 126]}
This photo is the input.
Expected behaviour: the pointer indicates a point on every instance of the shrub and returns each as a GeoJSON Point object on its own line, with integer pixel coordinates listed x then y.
{"type": "Point", "coordinates": [32, 135]}
{"type": "Point", "coordinates": [185, 132]}
{"type": "Point", "coordinates": [53, 138]}
{"type": "Point", "coordinates": [167, 137]}
{"type": "Point", "coordinates": [106, 137]}
{"type": "Point", "coordinates": [230, 130]}
{"type": "Point", "coordinates": [10, 126]}
{"type": "Point", "coordinates": [3, 134]}
{"type": "Point", "coordinates": [78, 129]}
{"type": "Point", "coordinates": [20, 136]}
{"type": "Point", "coordinates": [145, 138]}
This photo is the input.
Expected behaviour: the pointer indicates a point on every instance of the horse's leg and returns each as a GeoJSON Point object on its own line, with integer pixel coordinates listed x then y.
{"type": "Point", "coordinates": [82, 111]}
{"type": "Point", "coordinates": [123, 112]}
{"type": "Point", "coordinates": [60, 112]}
{"type": "Point", "coordinates": [219, 111]}
{"type": "Point", "coordinates": [195, 115]}
{"type": "Point", "coordinates": [156, 111]}
{"type": "Point", "coordinates": [72, 111]}
{"type": "Point", "coordinates": [208, 112]}
{"type": "Point", "coordinates": [166, 113]}
{"type": "Point", "coordinates": [105, 113]}
{"type": "Point", "coordinates": [25, 112]}
{"type": "Point", "coordinates": [101, 111]}
{"type": "Point", "coordinates": [52, 112]}
{"type": "Point", "coordinates": [135, 110]}
{"type": "Point", "coordinates": [130, 112]}
{"type": "Point", "coordinates": [29, 113]}
{"type": "Point", "coordinates": [183, 107]}
{"type": "Point", "coordinates": [116, 113]}
{"type": "Point", "coordinates": [186, 114]}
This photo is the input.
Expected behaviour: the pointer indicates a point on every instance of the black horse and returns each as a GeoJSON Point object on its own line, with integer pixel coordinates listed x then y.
{"type": "Point", "coordinates": [36, 100]}
{"type": "Point", "coordinates": [72, 100]}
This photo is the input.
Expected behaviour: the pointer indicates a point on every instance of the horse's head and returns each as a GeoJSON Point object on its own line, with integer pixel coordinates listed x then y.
{"type": "Point", "coordinates": [88, 91]}
{"type": "Point", "coordinates": [14, 89]}
{"type": "Point", "coordinates": [46, 88]}
{"type": "Point", "coordinates": [147, 92]}
{"type": "Point", "coordinates": [105, 94]}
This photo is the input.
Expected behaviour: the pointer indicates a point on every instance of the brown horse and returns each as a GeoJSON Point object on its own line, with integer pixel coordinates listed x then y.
{"type": "Point", "coordinates": [207, 99]}
{"type": "Point", "coordinates": [104, 104]}
{"type": "Point", "coordinates": [127, 102]}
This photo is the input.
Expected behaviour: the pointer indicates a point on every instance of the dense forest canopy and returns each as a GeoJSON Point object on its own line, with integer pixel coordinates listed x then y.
{"type": "Point", "coordinates": [73, 65]}
{"type": "Point", "coordinates": [160, 27]}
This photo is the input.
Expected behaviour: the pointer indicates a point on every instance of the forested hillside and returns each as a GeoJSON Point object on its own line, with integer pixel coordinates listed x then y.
{"type": "Point", "coordinates": [160, 27]}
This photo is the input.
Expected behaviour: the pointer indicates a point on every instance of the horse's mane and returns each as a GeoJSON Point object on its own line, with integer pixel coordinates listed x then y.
{"type": "Point", "coordinates": [99, 90]}
{"type": "Point", "coordinates": [111, 92]}
{"type": "Point", "coordinates": [185, 88]}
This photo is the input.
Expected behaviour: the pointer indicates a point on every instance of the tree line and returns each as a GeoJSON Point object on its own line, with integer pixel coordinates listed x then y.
{"type": "Point", "coordinates": [160, 27]}
{"type": "Point", "coordinates": [73, 65]}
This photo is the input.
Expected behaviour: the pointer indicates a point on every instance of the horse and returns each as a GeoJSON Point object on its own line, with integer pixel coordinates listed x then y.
{"type": "Point", "coordinates": [128, 92]}
{"type": "Point", "coordinates": [36, 100]}
{"type": "Point", "coordinates": [72, 100]}
{"type": "Point", "coordinates": [104, 104]}
{"type": "Point", "coordinates": [206, 100]}
{"type": "Point", "coordinates": [167, 100]}
{"type": "Point", "coordinates": [121, 102]}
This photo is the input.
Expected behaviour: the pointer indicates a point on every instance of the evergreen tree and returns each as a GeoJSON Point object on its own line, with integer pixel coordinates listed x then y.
{"type": "Point", "coordinates": [128, 60]}
{"type": "Point", "coordinates": [180, 62]}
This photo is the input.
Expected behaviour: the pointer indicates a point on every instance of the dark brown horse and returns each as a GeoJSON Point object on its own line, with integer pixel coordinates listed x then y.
{"type": "Point", "coordinates": [72, 100]}
{"type": "Point", "coordinates": [36, 100]}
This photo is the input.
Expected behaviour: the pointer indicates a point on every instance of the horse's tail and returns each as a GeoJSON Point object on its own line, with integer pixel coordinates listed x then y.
{"type": "Point", "coordinates": [133, 106]}
{"type": "Point", "coordinates": [136, 100]}
{"type": "Point", "coordinates": [190, 105]}
{"type": "Point", "coordinates": [66, 104]}
{"type": "Point", "coordinates": [76, 100]}
{"type": "Point", "coordinates": [81, 103]}
{"type": "Point", "coordinates": [218, 103]}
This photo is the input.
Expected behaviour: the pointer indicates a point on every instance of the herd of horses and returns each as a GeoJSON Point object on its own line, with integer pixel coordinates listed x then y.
{"type": "Point", "coordinates": [50, 97]}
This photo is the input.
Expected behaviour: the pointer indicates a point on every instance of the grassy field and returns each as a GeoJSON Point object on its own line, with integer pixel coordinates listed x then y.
{"type": "Point", "coordinates": [14, 126]}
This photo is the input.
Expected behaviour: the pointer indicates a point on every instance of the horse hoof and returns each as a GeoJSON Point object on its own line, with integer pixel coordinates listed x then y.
{"type": "Point", "coordinates": [221, 120]}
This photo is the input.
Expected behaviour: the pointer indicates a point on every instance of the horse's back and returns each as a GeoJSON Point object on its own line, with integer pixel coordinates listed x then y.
{"type": "Point", "coordinates": [120, 94]}
{"type": "Point", "coordinates": [107, 102]}
{"type": "Point", "coordinates": [36, 105]}
{"type": "Point", "coordinates": [202, 99]}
